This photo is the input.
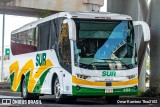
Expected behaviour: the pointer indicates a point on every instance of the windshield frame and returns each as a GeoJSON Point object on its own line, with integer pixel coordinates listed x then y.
{"type": "Point", "coordinates": [92, 65]}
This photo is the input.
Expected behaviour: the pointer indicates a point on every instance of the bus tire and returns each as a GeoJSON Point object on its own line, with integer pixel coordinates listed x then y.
{"type": "Point", "coordinates": [25, 94]}
{"type": "Point", "coordinates": [58, 96]}
{"type": "Point", "coordinates": [112, 99]}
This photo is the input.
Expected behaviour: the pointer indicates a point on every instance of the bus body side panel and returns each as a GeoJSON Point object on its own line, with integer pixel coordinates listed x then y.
{"type": "Point", "coordinates": [47, 84]}
{"type": "Point", "coordinates": [35, 67]}
{"type": "Point", "coordinates": [21, 65]}
{"type": "Point", "coordinates": [65, 82]}
{"type": "Point", "coordinates": [63, 76]}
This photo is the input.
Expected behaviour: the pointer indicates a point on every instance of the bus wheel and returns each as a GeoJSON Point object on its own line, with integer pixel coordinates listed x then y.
{"type": "Point", "coordinates": [25, 94]}
{"type": "Point", "coordinates": [59, 97]}
{"type": "Point", "coordinates": [112, 99]}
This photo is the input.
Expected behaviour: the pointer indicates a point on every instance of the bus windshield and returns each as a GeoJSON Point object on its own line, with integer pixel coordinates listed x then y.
{"type": "Point", "coordinates": [106, 45]}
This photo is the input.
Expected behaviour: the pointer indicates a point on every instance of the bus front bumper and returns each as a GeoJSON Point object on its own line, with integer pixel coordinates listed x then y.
{"type": "Point", "coordinates": [86, 91]}
{"type": "Point", "coordinates": [82, 87]}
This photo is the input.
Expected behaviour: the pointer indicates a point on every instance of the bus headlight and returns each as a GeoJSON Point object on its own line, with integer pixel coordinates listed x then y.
{"type": "Point", "coordinates": [82, 76]}
{"type": "Point", "coordinates": [132, 76]}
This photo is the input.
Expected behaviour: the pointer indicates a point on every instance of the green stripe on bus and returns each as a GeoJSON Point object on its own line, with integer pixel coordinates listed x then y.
{"type": "Point", "coordinates": [101, 92]}
{"type": "Point", "coordinates": [27, 77]}
{"type": "Point", "coordinates": [38, 86]}
{"type": "Point", "coordinates": [11, 79]}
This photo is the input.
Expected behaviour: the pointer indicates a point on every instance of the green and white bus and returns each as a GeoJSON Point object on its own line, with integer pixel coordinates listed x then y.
{"type": "Point", "coordinates": [76, 54]}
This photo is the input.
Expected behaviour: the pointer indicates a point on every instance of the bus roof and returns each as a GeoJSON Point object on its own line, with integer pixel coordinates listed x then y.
{"type": "Point", "coordinates": [85, 15]}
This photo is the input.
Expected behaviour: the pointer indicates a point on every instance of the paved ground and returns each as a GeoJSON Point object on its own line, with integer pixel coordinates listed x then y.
{"type": "Point", "coordinates": [48, 101]}
{"type": "Point", "coordinates": [6, 97]}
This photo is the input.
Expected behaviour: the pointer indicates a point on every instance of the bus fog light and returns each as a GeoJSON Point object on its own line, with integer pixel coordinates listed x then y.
{"type": "Point", "coordinates": [82, 76]}
{"type": "Point", "coordinates": [135, 87]}
{"type": "Point", "coordinates": [78, 87]}
{"type": "Point", "coordinates": [131, 76]}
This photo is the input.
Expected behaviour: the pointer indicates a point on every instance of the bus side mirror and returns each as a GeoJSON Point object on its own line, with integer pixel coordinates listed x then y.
{"type": "Point", "coordinates": [145, 28]}
{"type": "Point", "coordinates": [72, 29]}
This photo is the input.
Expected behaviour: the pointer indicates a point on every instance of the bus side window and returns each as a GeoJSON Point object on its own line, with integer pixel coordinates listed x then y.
{"type": "Point", "coordinates": [64, 48]}
{"type": "Point", "coordinates": [53, 35]}
{"type": "Point", "coordinates": [23, 42]}
{"type": "Point", "coordinates": [43, 36]}
{"type": "Point", "coordinates": [36, 37]}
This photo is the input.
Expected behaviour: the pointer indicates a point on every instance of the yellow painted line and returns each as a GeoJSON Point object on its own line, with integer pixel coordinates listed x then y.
{"type": "Point", "coordinates": [91, 83]}
{"type": "Point", "coordinates": [130, 82]}
{"type": "Point", "coordinates": [18, 75]}
{"type": "Point", "coordinates": [33, 78]}
{"type": "Point", "coordinates": [85, 82]}
{"type": "Point", "coordinates": [14, 67]}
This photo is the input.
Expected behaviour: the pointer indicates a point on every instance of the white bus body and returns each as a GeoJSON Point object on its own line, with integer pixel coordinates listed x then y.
{"type": "Point", "coordinates": [47, 56]}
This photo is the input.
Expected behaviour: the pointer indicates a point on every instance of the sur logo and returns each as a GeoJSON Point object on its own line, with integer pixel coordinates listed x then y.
{"type": "Point", "coordinates": [108, 73]}
{"type": "Point", "coordinates": [41, 59]}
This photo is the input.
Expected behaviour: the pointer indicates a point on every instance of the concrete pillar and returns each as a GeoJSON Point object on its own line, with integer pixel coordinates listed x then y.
{"type": "Point", "coordinates": [93, 5]}
{"type": "Point", "coordinates": [129, 7]}
{"type": "Point", "coordinates": [132, 8]}
{"type": "Point", "coordinates": [155, 45]}
{"type": "Point", "coordinates": [144, 9]}
{"type": "Point", "coordinates": [2, 57]}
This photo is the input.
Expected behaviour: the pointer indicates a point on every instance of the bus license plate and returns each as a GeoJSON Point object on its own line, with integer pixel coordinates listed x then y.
{"type": "Point", "coordinates": [109, 91]}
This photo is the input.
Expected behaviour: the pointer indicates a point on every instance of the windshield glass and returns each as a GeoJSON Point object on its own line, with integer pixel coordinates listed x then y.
{"type": "Point", "coordinates": [105, 44]}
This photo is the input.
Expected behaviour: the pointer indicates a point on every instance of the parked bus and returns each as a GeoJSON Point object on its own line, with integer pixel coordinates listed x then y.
{"type": "Point", "coordinates": [76, 54]}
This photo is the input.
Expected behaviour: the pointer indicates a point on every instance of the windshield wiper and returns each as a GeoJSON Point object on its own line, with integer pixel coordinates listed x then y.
{"type": "Point", "coordinates": [91, 64]}
{"type": "Point", "coordinates": [96, 62]}
{"type": "Point", "coordinates": [128, 66]}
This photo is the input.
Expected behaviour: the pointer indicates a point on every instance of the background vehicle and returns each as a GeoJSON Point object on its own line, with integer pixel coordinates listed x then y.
{"type": "Point", "coordinates": [73, 54]}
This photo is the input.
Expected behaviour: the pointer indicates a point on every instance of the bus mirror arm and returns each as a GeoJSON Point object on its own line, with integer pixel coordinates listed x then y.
{"type": "Point", "coordinates": [72, 29]}
{"type": "Point", "coordinates": [145, 29]}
